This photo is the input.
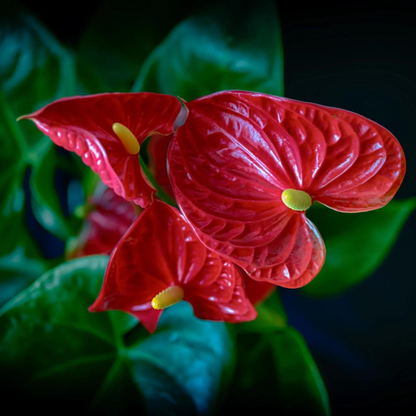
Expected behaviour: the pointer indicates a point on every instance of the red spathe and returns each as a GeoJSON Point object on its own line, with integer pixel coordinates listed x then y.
{"type": "Point", "coordinates": [238, 151]}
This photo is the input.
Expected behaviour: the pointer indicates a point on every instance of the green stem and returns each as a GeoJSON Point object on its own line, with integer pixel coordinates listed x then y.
{"type": "Point", "coordinates": [161, 194]}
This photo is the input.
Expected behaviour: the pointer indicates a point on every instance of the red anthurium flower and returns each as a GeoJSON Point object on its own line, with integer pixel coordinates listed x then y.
{"type": "Point", "coordinates": [246, 166]}
{"type": "Point", "coordinates": [160, 262]}
{"type": "Point", "coordinates": [106, 130]}
{"type": "Point", "coordinates": [108, 216]}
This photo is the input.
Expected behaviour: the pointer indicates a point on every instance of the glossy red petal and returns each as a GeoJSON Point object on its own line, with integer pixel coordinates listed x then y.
{"type": "Point", "coordinates": [237, 309]}
{"type": "Point", "coordinates": [84, 125]}
{"type": "Point", "coordinates": [342, 159]}
{"type": "Point", "coordinates": [245, 231]}
{"type": "Point", "coordinates": [301, 266]}
{"type": "Point", "coordinates": [161, 250]}
{"type": "Point", "coordinates": [238, 151]}
{"type": "Point", "coordinates": [108, 219]}
{"type": "Point", "coordinates": [272, 243]}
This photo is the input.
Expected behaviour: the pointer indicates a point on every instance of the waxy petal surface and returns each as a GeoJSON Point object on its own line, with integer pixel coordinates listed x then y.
{"type": "Point", "coordinates": [234, 310]}
{"type": "Point", "coordinates": [238, 152]}
{"type": "Point", "coordinates": [301, 266]}
{"type": "Point", "coordinates": [84, 125]}
{"type": "Point", "coordinates": [161, 250]}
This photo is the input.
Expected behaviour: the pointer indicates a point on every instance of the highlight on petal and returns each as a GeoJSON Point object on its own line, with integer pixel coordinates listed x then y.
{"type": "Point", "coordinates": [106, 130]}
{"type": "Point", "coordinates": [238, 152]}
{"type": "Point", "coordinates": [160, 251]}
{"type": "Point", "coordinates": [302, 264]}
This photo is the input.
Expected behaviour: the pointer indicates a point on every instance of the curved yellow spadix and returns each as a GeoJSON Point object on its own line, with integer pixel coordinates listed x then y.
{"type": "Point", "coordinates": [126, 137]}
{"type": "Point", "coordinates": [296, 200]}
{"type": "Point", "coordinates": [168, 297]}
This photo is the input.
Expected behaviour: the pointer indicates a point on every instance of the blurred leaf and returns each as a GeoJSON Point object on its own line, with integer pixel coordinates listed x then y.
{"type": "Point", "coordinates": [45, 201]}
{"type": "Point", "coordinates": [271, 316]}
{"type": "Point", "coordinates": [356, 244]}
{"type": "Point", "coordinates": [301, 389]}
{"type": "Point", "coordinates": [34, 70]}
{"type": "Point", "coordinates": [20, 260]}
{"type": "Point", "coordinates": [275, 371]}
{"type": "Point", "coordinates": [120, 37]}
{"type": "Point", "coordinates": [53, 349]}
{"type": "Point", "coordinates": [233, 45]}
{"type": "Point", "coordinates": [19, 267]}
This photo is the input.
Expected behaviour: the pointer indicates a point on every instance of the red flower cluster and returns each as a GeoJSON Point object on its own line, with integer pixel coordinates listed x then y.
{"type": "Point", "coordinates": [244, 167]}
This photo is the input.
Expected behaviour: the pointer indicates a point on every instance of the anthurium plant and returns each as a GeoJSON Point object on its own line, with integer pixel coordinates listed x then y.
{"type": "Point", "coordinates": [244, 167]}
{"type": "Point", "coordinates": [193, 213]}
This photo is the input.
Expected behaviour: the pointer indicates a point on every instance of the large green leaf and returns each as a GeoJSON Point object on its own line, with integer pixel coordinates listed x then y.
{"type": "Point", "coordinates": [301, 389]}
{"type": "Point", "coordinates": [233, 45]}
{"type": "Point", "coordinates": [34, 70]}
{"type": "Point", "coordinates": [20, 260]}
{"type": "Point", "coordinates": [356, 244]}
{"type": "Point", "coordinates": [120, 37]}
{"type": "Point", "coordinates": [275, 370]}
{"type": "Point", "coordinates": [52, 348]}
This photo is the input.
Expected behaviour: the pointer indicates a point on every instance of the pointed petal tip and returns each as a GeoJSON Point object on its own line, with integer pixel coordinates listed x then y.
{"type": "Point", "coordinates": [96, 307]}
{"type": "Point", "coordinates": [25, 117]}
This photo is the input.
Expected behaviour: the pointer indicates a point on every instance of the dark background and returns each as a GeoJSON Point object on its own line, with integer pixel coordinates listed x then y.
{"type": "Point", "coordinates": [359, 56]}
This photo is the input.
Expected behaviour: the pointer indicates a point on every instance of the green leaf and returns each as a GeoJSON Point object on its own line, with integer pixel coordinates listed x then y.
{"type": "Point", "coordinates": [34, 70]}
{"type": "Point", "coordinates": [271, 316]}
{"type": "Point", "coordinates": [356, 244]}
{"type": "Point", "coordinates": [18, 268]}
{"type": "Point", "coordinates": [52, 348]}
{"type": "Point", "coordinates": [45, 202]}
{"type": "Point", "coordinates": [119, 38]}
{"type": "Point", "coordinates": [20, 260]}
{"type": "Point", "coordinates": [301, 389]}
{"type": "Point", "coordinates": [232, 45]}
{"type": "Point", "coordinates": [275, 371]}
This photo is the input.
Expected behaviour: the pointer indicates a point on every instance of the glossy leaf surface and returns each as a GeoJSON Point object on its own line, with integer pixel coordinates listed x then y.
{"type": "Point", "coordinates": [356, 244]}
{"type": "Point", "coordinates": [226, 46]}
{"type": "Point", "coordinates": [51, 345]}
{"type": "Point", "coordinates": [238, 152]}
{"type": "Point", "coordinates": [160, 250]}
{"type": "Point", "coordinates": [84, 125]}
